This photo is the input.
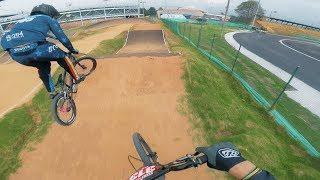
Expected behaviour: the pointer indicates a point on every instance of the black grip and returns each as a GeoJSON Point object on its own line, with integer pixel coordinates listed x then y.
{"type": "Point", "coordinates": [202, 159]}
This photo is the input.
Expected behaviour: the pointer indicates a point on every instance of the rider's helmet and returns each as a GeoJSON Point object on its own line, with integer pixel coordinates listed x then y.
{"type": "Point", "coordinates": [45, 9]}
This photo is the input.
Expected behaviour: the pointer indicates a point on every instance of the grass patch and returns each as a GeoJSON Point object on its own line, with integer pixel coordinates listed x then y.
{"type": "Point", "coordinates": [288, 30]}
{"type": "Point", "coordinates": [267, 84]}
{"type": "Point", "coordinates": [109, 46]}
{"type": "Point", "coordinates": [220, 108]}
{"type": "Point", "coordinates": [22, 127]}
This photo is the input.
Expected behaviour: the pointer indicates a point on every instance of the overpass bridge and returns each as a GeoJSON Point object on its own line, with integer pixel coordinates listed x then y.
{"type": "Point", "coordinates": [82, 14]}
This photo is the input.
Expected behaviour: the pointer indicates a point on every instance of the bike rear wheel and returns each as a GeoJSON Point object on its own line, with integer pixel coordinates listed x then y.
{"type": "Point", "coordinates": [64, 110]}
{"type": "Point", "coordinates": [85, 65]}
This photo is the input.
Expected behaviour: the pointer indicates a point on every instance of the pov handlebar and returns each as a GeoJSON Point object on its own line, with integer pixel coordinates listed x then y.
{"type": "Point", "coordinates": [182, 163]}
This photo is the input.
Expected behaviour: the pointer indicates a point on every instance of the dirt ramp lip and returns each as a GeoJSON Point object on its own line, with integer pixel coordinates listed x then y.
{"type": "Point", "coordinates": [145, 42]}
{"type": "Point", "coordinates": [145, 36]}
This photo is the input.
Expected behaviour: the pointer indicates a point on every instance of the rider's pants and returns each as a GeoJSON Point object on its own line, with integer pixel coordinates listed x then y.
{"type": "Point", "coordinates": [41, 59]}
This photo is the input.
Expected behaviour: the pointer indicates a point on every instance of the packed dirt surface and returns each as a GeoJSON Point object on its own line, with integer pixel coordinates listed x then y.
{"type": "Point", "coordinates": [124, 95]}
{"type": "Point", "coordinates": [19, 83]}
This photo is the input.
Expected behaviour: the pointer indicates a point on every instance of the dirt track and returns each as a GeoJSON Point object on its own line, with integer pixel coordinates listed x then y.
{"type": "Point", "coordinates": [124, 95]}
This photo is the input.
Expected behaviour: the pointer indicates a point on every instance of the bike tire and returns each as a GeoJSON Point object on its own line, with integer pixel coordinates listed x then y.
{"type": "Point", "coordinates": [54, 109]}
{"type": "Point", "coordinates": [147, 156]}
{"type": "Point", "coordinates": [83, 61]}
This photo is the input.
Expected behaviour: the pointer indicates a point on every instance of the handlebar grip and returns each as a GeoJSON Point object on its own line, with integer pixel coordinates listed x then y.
{"type": "Point", "coordinates": [203, 159]}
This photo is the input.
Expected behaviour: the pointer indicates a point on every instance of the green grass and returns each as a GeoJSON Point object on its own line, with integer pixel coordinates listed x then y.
{"type": "Point", "coordinates": [110, 46]}
{"type": "Point", "coordinates": [221, 110]}
{"type": "Point", "coordinates": [20, 128]}
{"type": "Point", "coordinates": [267, 84]}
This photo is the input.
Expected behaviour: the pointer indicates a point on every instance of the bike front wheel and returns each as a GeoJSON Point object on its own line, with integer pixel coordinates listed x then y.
{"type": "Point", "coordinates": [64, 110]}
{"type": "Point", "coordinates": [85, 65]}
{"type": "Point", "coordinates": [147, 156]}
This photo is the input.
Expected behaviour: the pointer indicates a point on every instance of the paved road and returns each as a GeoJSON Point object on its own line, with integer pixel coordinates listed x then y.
{"type": "Point", "coordinates": [286, 55]}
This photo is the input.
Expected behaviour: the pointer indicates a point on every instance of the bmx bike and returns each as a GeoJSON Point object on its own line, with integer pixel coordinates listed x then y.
{"type": "Point", "coordinates": [63, 107]}
{"type": "Point", "coordinates": [152, 169]}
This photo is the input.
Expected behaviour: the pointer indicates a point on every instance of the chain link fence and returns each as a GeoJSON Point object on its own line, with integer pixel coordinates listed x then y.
{"type": "Point", "coordinates": [264, 87]}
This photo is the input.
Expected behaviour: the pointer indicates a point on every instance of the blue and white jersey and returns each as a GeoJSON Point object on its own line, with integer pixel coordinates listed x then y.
{"type": "Point", "coordinates": [34, 29]}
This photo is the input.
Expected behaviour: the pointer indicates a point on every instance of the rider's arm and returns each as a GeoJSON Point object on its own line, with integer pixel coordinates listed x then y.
{"type": "Point", "coordinates": [247, 170]}
{"type": "Point", "coordinates": [226, 157]}
{"type": "Point", "coordinates": [61, 36]}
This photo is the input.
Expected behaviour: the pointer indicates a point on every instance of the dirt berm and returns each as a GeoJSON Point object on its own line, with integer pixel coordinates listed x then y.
{"type": "Point", "coordinates": [124, 95]}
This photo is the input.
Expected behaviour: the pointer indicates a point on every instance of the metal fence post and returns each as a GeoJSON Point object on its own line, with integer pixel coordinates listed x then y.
{"type": "Point", "coordinates": [189, 33]}
{"type": "Point", "coordinates": [184, 29]}
{"type": "Point", "coordinates": [211, 48]}
{"type": "Point", "coordinates": [199, 35]}
{"type": "Point", "coordinates": [177, 26]}
{"type": "Point", "coordinates": [284, 88]}
{"type": "Point", "coordinates": [236, 58]}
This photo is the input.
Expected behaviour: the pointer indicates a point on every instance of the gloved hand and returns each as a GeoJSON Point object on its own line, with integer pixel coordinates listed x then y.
{"type": "Point", "coordinates": [74, 51]}
{"type": "Point", "coordinates": [222, 156]}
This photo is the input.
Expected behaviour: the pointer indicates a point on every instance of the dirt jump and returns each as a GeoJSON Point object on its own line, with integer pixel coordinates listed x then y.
{"type": "Point", "coordinates": [145, 43]}
{"type": "Point", "coordinates": [136, 93]}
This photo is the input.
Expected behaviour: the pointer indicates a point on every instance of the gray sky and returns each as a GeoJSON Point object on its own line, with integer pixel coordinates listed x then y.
{"type": "Point", "coordinates": [303, 11]}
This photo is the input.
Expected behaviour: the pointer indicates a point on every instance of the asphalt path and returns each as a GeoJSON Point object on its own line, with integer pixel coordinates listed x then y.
{"type": "Point", "coordinates": [286, 53]}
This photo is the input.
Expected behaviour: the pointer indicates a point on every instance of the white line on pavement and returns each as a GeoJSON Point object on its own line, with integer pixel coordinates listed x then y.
{"type": "Point", "coordinates": [305, 95]}
{"type": "Point", "coordinates": [282, 42]}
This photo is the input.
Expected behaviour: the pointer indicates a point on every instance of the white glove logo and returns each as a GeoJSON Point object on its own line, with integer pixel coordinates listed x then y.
{"type": "Point", "coordinates": [228, 153]}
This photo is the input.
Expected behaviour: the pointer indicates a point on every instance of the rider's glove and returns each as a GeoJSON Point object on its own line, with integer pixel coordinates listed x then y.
{"type": "Point", "coordinates": [222, 156]}
{"type": "Point", "coordinates": [74, 51]}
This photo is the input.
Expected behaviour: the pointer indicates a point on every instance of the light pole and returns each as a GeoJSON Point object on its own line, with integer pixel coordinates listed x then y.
{"type": "Point", "coordinates": [255, 15]}
{"type": "Point", "coordinates": [143, 3]}
{"type": "Point", "coordinates": [104, 9]}
{"type": "Point", "coordinates": [225, 18]}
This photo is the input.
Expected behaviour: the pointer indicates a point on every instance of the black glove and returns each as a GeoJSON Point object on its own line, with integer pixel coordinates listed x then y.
{"type": "Point", "coordinates": [222, 156]}
{"type": "Point", "coordinates": [74, 51]}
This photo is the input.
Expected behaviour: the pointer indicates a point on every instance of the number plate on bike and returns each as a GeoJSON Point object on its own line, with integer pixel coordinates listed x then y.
{"type": "Point", "coordinates": [143, 173]}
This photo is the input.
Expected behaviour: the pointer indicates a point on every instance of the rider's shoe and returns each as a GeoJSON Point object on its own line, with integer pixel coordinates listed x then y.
{"type": "Point", "coordinates": [81, 78]}
{"type": "Point", "coordinates": [52, 95]}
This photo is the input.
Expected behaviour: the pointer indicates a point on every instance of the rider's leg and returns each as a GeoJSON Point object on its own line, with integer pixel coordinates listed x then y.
{"type": "Point", "coordinates": [44, 71]}
{"type": "Point", "coordinates": [68, 66]}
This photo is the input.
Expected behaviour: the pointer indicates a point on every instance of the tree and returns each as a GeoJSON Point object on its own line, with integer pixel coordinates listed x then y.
{"type": "Point", "coordinates": [246, 11]}
{"type": "Point", "coordinates": [152, 11]}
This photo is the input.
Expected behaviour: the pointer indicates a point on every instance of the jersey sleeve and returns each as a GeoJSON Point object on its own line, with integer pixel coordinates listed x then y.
{"type": "Point", "coordinates": [263, 175]}
{"type": "Point", "coordinates": [61, 36]}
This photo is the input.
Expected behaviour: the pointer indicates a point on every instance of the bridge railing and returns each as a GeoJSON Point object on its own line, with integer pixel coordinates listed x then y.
{"type": "Point", "coordinates": [85, 14]}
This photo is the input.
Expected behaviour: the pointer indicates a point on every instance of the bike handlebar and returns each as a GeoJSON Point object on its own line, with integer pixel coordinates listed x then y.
{"type": "Point", "coordinates": [181, 164]}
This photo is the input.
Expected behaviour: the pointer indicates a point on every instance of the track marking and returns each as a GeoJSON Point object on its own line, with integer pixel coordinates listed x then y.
{"type": "Point", "coordinates": [125, 42]}
{"type": "Point", "coordinates": [35, 89]}
{"type": "Point", "coordinates": [165, 42]}
{"type": "Point", "coordinates": [6, 62]}
{"type": "Point", "coordinates": [3, 54]}
{"type": "Point", "coordinates": [281, 41]}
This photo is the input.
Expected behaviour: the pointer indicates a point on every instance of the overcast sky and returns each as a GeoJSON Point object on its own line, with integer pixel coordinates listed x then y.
{"type": "Point", "coordinates": [303, 11]}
